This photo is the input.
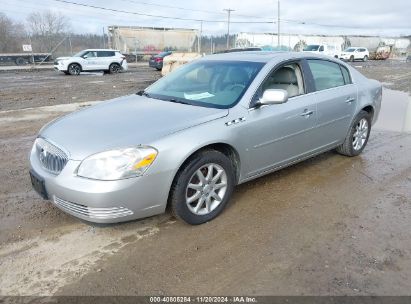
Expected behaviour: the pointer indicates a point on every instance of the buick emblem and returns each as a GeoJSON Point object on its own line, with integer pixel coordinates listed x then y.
{"type": "Point", "coordinates": [43, 153]}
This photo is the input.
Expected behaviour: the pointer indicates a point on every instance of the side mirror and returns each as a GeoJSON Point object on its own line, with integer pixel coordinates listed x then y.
{"type": "Point", "coordinates": [272, 96]}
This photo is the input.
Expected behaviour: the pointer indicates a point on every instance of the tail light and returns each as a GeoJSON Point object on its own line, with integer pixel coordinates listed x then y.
{"type": "Point", "coordinates": [158, 59]}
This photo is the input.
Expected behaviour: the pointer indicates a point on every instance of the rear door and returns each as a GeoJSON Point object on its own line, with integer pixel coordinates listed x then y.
{"type": "Point", "coordinates": [105, 58]}
{"type": "Point", "coordinates": [336, 98]}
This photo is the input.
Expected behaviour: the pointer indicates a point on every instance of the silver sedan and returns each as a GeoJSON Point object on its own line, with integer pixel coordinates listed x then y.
{"type": "Point", "coordinates": [190, 137]}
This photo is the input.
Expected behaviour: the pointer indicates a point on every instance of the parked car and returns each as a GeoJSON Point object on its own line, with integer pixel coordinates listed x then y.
{"type": "Point", "coordinates": [25, 58]}
{"type": "Point", "coordinates": [111, 61]}
{"type": "Point", "coordinates": [157, 60]}
{"type": "Point", "coordinates": [329, 50]}
{"type": "Point", "coordinates": [355, 53]}
{"type": "Point", "coordinates": [190, 137]}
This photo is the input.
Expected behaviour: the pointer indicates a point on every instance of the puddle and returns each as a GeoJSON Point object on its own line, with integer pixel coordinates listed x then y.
{"type": "Point", "coordinates": [395, 114]}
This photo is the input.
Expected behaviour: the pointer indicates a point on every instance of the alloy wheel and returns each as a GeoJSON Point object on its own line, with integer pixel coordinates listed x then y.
{"type": "Point", "coordinates": [206, 189]}
{"type": "Point", "coordinates": [74, 69]}
{"type": "Point", "coordinates": [360, 134]}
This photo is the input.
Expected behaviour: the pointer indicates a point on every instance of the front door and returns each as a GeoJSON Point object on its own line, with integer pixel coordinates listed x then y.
{"type": "Point", "coordinates": [278, 134]}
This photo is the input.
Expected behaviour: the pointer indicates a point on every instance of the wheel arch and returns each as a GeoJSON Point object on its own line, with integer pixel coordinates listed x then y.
{"type": "Point", "coordinates": [369, 109]}
{"type": "Point", "coordinates": [222, 147]}
{"type": "Point", "coordinates": [75, 62]}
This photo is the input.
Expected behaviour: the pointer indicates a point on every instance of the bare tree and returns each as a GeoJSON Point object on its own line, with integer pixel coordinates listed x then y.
{"type": "Point", "coordinates": [47, 28]}
{"type": "Point", "coordinates": [11, 35]}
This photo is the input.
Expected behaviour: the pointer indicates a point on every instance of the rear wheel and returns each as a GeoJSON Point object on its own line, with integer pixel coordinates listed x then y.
{"type": "Point", "coordinates": [114, 68]}
{"type": "Point", "coordinates": [358, 135]}
{"type": "Point", "coordinates": [74, 69]}
{"type": "Point", "coordinates": [202, 188]}
{"type": "Point", "coordinates": [20, 61]}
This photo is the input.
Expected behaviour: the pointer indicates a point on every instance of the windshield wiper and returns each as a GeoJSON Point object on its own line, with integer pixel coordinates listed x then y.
{"type": "Point", "coordinates": [178, 101]}
{"type": "Point", "coordinates": [143, 93]}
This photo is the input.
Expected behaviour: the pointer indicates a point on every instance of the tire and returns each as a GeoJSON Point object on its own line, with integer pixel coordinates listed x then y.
{"type": "Point", "coordinates": [357, 137]}
{"type": "Point", "coordinates": [352, 58]}
{"type": "Point", "coordinates": [20, 61]}
{"type": "Point", "coordinates": [207, 196]}
{"type": "Point", "coordinates": [74, 69]}
{"type": "Point", "coordinates": [114, 68]}
{"type": "Point", "coordinates": [158, 69]}
{"type": "Point", "coordinates": [67, 73]}
{"type": "Point", "coordinates": [365, 58]}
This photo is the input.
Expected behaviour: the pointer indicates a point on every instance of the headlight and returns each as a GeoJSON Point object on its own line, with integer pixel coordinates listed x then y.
{"type": "Point", "coordinates": [117, 164]}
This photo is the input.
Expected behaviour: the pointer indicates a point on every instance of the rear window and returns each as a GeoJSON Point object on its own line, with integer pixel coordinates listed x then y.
{"type": "Point", "coordinates": [326, 74]}
{"type": "Point", "coordinates": [105, 53]}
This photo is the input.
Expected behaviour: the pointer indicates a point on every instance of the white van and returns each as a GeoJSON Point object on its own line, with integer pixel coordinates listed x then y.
{"type": "Point", "coordinates": [329, 50]}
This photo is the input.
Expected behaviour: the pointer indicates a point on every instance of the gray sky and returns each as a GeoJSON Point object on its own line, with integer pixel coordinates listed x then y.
{"type": "Point", "coordinates": [368, 17]}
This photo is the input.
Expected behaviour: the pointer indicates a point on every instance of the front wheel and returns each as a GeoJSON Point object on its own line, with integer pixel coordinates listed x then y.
{"type": "Point", "coordinates": [352, 58]}
{"type": "Point", "coordinates": [358, 135]}
{"type": "Point", "coordinates": [365, 58]}
{"type": "Point", "coordinates": [74, 69]}
{"type": "Point", "coordinates": [202, 188]}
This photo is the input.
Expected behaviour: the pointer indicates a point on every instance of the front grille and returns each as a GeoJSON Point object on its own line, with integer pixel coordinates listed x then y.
{"type": "Point", "coordinates": [52, 159]}
{"type": "Point", "coordinates": [97, 213]}
{"type": "Point", "coordinates": [56, 62]}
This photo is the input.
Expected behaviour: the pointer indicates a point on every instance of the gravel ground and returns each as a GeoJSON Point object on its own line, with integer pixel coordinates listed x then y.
{"type": "Point", "coordinates": [328, 226]}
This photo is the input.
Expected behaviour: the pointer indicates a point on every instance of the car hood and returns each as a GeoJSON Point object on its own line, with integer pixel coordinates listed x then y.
{"type": "Point", "coordinates": [62, 58]}
{"type": "Point", "coordinates": [123, 122]}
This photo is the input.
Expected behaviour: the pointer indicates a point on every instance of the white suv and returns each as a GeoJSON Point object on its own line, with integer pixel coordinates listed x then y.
{"type": "Point", "coordinates": [355, 53]}
{"type": "Point", "coordinates": [110, 61]}
{"type": "Point", "coordinates": [329, 50]}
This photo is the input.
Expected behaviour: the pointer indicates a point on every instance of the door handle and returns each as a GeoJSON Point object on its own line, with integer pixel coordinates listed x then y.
{"type": "Point", "coordinates": [350, 100]}
{"type": "Point", "coordinates": [306, 113]}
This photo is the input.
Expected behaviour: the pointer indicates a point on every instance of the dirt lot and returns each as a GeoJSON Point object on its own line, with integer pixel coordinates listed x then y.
{"type": "Point", "coordinates": [328, 226]}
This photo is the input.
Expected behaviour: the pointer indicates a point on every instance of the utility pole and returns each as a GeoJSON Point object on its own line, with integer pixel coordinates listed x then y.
{"type": "Point", "coordinates": [200, 37]}
{"type": "Point", "coordinates": [228, 10]}
{"type": "Point", "coordinates": [104, 39]}
{"type": "Point", "coordinates": [278, 24]}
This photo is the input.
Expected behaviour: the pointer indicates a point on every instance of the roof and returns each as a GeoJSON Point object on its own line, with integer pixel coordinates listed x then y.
{"type": "Point", "coordinates": [262, 56]}
{"type": "Point", "coordinates": [96, 50]}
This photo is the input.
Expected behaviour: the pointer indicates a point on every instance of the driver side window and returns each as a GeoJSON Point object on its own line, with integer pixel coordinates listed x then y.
{"type": "Point", "coordinates": [288, 77]}
{"type": "Point", "coordinates": [90, 55]}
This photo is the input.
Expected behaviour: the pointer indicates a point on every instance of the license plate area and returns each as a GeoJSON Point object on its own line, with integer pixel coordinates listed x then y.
{"type": "Point", "coordinates": [38, 184]}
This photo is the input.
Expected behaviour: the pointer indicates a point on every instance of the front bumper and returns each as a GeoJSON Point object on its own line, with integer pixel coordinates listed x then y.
{"type": "Point", "coordinates": [104, 201]}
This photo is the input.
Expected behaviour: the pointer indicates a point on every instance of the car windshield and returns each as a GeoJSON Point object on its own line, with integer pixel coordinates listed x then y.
{"type": "Point", "coordinates": [349, 50]}
{"type": "Point", "coordinates": [79, 54]}
{"type": "Point", "coordinates": [207, 83]}
{"type": "Point", "coordinates": [311, 47]}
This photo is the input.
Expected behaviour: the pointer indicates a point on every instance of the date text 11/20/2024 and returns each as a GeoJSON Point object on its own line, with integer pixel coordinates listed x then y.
{"type": "Point", "coordinates": [203, 299]}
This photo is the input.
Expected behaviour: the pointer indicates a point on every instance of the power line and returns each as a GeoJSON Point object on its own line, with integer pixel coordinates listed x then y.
{"type": "Point", "coordinates": [156, 16]}
{"type": "Point", "coordinates": [238, 15]}
{"type": "Point", "coordinates": [189, 9]}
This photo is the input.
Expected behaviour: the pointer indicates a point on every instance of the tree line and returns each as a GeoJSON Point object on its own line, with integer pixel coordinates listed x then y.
{"type": "Point", "coordinates": [51, 32]}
